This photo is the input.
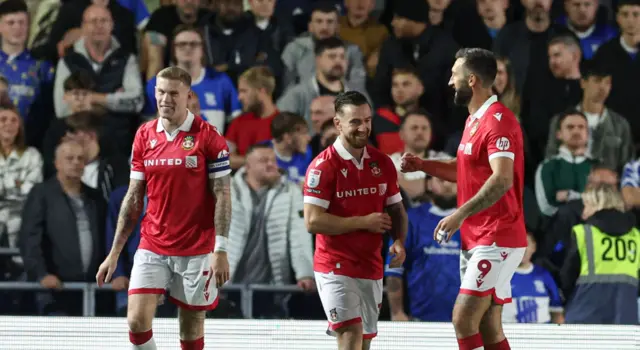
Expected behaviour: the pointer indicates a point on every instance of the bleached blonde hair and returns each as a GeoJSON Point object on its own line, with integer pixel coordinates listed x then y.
{"type": "Point", "coordinates": [603, 196]}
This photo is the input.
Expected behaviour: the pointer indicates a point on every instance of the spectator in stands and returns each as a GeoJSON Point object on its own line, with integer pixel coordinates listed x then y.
{"type": "Point", "coordinates": [4, 86]}
{"type": "Point", "coordinates": [559, 91]}
{"type": "Point", "coordinates": [360, 28]}
{"type": "Point", "coordinates": [619, 56]}
{"type": "Point", "coordinates": [298, 55]}
{"type": "Point", "coordinates": [116, 74]}
{"type": "Point", "coordinates": [193, 105]}
{"type": "Point", "coordinates": [536, 297]}
{"type": "Point", "coordinates": [216, 92]}
{"type": "Point", "coordinates": [42, 21]}
{"type": "Point", "coordinates": [430, 269]}
{"type": "Point", "coordinates": [268, 237]}
{"type": "Point", "coordinates": [631, 184]}
{"type": "Point", "coordinates": [139, 10]}
{"type": "Point", "coordinates": [525, 44]}
{"type": "Point", "coordinates": [415, 133]}
{"type": "Point", "coordinates": [67, 29]}
{"type": "Point", "coordinates": [329, 79]}
{"type": "Point", "coordinates": [429, 49]}
{"type": "Point", "coordinates": [328, 135]}
{"type": "Point", "coordinates": [30, 80]}
{"type": "Point", "coordinates": [563, 177]}
{"type": "Point", "coordinates": [234, 44]}
{"type": "Point", "coordinates": [582, 20]}
{"type": "Point", "coordinates": [554, 239]}
{"type": "Point", "coordinates": [61, 237]}
{"type": "Point", "coordinates": [20, 169]}
{"type": "Point", "coordinates": [159, 31]}
{"type": "Point", "coordinates": [255, 87]}
{"type": "Point", "coordinates": [505, 86]}
{"type": "Point", "coordinates": [322, 111]}
{"type": "Point", "coordinates": [481, 25]}
{"type": "Point", "coordinates": [600, 273]}
{"type": "Point", "coordinates": [406, 91]}
{"type": "Point", "coordinates": [291, 145]}
{"type": "Point", "coordinates": [278, 31]}
{"type": "Point", "coordinates": [610, 140]}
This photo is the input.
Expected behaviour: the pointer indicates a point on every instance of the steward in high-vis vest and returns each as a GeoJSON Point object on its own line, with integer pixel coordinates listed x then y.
{"type": "Point", "coordinates": [600, 275]}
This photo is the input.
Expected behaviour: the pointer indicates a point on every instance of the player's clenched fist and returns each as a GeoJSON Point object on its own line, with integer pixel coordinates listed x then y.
{"type": "Point", "coordinates": [220, 268]}
{"type": "Point", "coordinates": [106, 270]}
{"type": "Point", "coordinates": [410, 163]}
{"type": "Point", "coordinates": [377, 222]}
{"type": "Point", "coordinates": [397, 253]}
{"type": "Point", "coordinates": [447, 227]}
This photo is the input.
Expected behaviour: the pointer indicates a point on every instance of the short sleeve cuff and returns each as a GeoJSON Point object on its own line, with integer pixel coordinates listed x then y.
{"type": "Point", "coordinates": [509, 155]}
{"type": "Point", "coordinates": [629, 183]}
{"type": "Point", "coordinates": [394, 199]}
{"type": "Point", "coordinates": [316, 201]}
{"type": "Point", "coordinates": [136, 175]}
{"type": "Point", "coordinates": [556, 308]}
{"type": "Point", "coordinates": [393, 271]}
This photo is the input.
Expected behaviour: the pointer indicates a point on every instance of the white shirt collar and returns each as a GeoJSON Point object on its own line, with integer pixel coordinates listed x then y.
{"type": "Point", "coordinates": [342, 151]}
{"type": "Point", "coordinates": [186, 125]}
{"type": "Point", "coordinates": [480, 112]}
{"type": "Point", "coordinates": [629, 49]}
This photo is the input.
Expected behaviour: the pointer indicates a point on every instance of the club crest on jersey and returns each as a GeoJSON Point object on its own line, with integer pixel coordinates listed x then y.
{"type": "Point", "coordinates": [375, 169]}
{"type": "Point", "coordinates": [188, 143]}
{"type": "Point", "coordinates": [474, 128]}
{"type": "Point", "coordinates": [333, 314]}
{"type": "Point", "coordinates": [313, 179]}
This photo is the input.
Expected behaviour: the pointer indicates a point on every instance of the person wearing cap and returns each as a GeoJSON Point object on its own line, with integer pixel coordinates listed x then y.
{"type": "Point", "coordinates": [428, 49]}
{"type": "Point", "coordinates": [30, 80]}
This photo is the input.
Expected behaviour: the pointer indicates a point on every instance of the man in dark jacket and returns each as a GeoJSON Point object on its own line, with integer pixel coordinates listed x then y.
{"type": "Point", "coordinates": [61, 237]}
{"type": "Point", "coordinates": [430, 50]}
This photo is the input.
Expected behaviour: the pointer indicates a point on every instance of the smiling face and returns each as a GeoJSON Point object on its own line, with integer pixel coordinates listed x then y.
{"type": "Point", "coordinates": [354, 124]}
{"type": "Point", "coordinates": [172, 98]}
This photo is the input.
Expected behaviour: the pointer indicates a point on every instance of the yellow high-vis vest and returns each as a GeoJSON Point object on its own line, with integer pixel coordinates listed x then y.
{"type": "Point", "coordinates": [605, 258]}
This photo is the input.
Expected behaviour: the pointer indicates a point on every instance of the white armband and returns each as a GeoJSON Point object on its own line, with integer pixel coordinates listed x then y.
{"type": "Point", "coordinates": [221, 244]}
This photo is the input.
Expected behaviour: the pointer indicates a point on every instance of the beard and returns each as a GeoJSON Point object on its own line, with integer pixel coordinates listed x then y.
{"type": "Point", "coordinates": [255, 108]}
{"type": "Point", "coordinates": [334, 74]}
{"type": "Point", "coordinates": [443, 202]}
{"type": "Point", "coordinates": [463, 96]}
{"type": "Point", "coordinates": [357, 141]}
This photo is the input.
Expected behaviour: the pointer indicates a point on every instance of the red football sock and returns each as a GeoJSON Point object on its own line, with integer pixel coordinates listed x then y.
{"type": "Point", "coordinates": [197, 344]}
{"type": "Point", "coordinates": [503, 345]}
{"type": "Point", "coordinates": [140, 338]}
{"type": "Point", "coordinates": [470, 343]}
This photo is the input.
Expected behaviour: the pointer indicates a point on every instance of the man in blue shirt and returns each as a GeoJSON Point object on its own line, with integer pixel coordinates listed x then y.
{"type": "Point", "coordinates": [218, 97]}
{"type": "Point", "coordinates": [536, 298]}
{"type": "Point", "coordinates": [582, 20]}
{"type": "Point", "coordinates": [431, 271]}
{"type": "Point", "coordinates": [30, 80]}
{"type": "Point", "coordinates": [291, 143]}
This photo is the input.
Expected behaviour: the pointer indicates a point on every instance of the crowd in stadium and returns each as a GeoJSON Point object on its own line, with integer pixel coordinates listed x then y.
{"type": "Point", "coordinates": [265, 73]}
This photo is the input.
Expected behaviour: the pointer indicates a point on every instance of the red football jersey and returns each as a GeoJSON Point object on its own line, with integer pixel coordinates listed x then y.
{"type": "Point", "coordinates": [176, 168]}
{"type": "Point", "coordinates": [248, 129]}
{"type": "Point", "coordinates": [346, 187]}
{"type": "Point", "coordinates": [493, 131]}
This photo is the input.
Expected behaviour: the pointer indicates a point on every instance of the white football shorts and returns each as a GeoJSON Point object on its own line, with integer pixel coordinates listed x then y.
{"type": "Point", "coordinates": [487, 270]}
{"type": "Point", "coordinates": [187, 279]}
{"type": "Point", "coordinates": [347, 300]}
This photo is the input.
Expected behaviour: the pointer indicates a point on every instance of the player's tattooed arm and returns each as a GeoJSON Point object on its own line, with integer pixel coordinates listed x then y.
{"type": "Point", "coordinates": [221, 189]}
{"type": "Point", "coordinates": [496, 186]}
{"type": "Point", "coordinates": [399, 221]}
{"type": "Point", "coordinates": [130, 211]}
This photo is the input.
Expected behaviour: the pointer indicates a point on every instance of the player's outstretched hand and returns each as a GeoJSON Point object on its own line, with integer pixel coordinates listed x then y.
{"type": "Point", "coordinates": [410, 163]}
{"type": "Point", "coordinates": [398, 254]}
{"type": "Point", "coordinates": [220, 268]}
{"type": "Point", "coordinates": [377, 222]}
{"type": "Point", "coordinates": [106, 270]}
{"type": "Point", "coordinates": [447, 227]}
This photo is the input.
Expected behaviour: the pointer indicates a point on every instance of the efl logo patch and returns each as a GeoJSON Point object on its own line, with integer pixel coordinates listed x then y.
{"type": "Point", "coordinates": [191, 162]}
{"type": "Point", "coordinates": [188, 143]}
{"type": "Point", "coordinates": [313, 179]}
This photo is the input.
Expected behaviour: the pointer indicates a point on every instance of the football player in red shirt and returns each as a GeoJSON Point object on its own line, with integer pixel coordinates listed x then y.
{"type": "Point", "coordinates": [489, 171]}
{"type": "Point", "coordinates": [182, 163]}
{"type": "Point", "coordinates": [351, 197]}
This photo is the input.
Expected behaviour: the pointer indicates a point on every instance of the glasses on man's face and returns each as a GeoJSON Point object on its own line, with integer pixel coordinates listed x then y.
{"type": "Point", "coordinates": [188, 44]}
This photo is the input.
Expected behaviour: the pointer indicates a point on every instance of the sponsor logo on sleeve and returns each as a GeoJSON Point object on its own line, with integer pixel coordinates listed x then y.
{"type": "Point", "coordinates": [222, 154]}
{"type": "Point", "coordinates": [313, 179]}
{"type": "Point", "coordinates": [311, 190]}
{"type": "Point", "coordinates": [503, 144]}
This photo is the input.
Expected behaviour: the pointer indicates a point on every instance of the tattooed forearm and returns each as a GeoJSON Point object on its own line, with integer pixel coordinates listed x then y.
{"type": "Point", "coordinates": [221, 188]}
{"type": "Point", "coordinates": [492, 190]}
{"type": "Point", "coordinates": [130, 211]}
{"type": "Point", "coordinates": [399, 223]}
{"type": "Point", "coordinates": [395, 294]}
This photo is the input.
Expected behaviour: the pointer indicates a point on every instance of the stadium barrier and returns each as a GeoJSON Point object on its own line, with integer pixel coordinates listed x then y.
{"type": "Point", "coordinates": [68, 333]}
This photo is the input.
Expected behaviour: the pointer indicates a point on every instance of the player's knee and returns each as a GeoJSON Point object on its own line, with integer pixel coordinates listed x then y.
{"type": "Point", "coordinates": [491, 325]}
{"type": "Point", "coordinates": [140, 311]}
{"type": "Point", "coordinates": [191, 324]}
{"type": "Point", "coordinates": [138, 324]}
